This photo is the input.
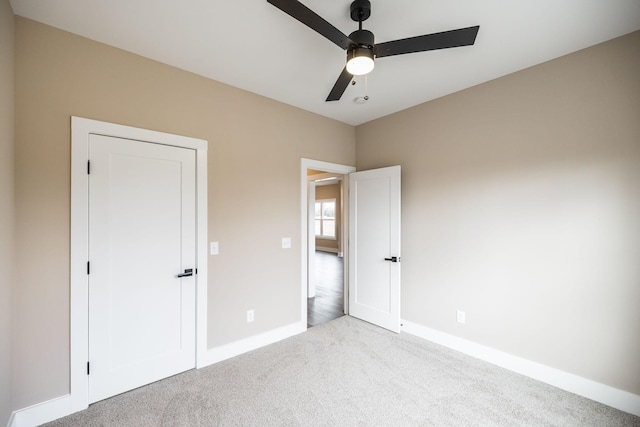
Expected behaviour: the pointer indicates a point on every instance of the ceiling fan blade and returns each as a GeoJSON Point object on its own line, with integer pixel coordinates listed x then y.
{"type": "Point", "coordinates": [312, 20]}
{"type": "Point", "coordinates": [340, 86]}
{"type": "Point", "coordinates": [443, 40]}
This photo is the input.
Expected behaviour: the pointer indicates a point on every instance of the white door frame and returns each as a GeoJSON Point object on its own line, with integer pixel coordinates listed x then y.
{"type": "Point", "coordinates": [79, 320]}
{"type": "Point", "coordinates": [311, 242]}
{"type": "Point", "coordinates": [304, 232]}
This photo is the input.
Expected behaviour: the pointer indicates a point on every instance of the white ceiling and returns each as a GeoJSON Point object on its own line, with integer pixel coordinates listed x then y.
{"type": "Point", "coordinates": [252, 45]}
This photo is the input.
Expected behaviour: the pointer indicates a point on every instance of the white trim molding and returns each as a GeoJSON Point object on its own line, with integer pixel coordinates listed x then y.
{"type": "Point", "coordinates": [43, 412]}
{"type": "Point", "coordinates": [610, 396]}
{"type": "Point", "coordinates": [236, 348]}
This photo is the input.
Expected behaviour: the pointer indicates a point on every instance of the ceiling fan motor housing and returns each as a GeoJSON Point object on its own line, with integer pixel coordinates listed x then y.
{"type": "Point", "coordinates": [363, 48]}
{"type": "Point", "coordinates": [362, 38]}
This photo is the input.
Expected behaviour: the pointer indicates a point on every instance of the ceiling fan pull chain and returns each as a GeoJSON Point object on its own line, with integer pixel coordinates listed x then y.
{"type": "Point", "coordinates": [366, 87]}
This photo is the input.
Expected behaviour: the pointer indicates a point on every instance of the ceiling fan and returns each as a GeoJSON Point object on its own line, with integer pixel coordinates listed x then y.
{"type": "Point", "coordinates": [360, 46]}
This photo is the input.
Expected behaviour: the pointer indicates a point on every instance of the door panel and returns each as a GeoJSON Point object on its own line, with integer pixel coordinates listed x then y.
{"type": "Point", "coordinates": [141, 235]}
{"type": "Point", "coordinates": [374, 283]}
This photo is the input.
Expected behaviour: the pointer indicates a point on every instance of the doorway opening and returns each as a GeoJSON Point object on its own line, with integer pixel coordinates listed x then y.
{"type": "Point", "coordinates": [328, 303]}
{"type": "Point", "coordinates": [325, 298]}
{"type": "Point", "coordinates": [332, 256]}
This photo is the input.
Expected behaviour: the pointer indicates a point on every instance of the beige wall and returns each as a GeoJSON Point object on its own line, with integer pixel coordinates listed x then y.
{"type": "Point", "coordinates": [255, 145]}
{"type": "Point", "coordinates": [330, 192]}
{"type": "Point", "coordinates": [521, 200]}
{"type": "Point", "coordinates": [6, 203]}
{"type": "Point", "coordinates": [521, 206]}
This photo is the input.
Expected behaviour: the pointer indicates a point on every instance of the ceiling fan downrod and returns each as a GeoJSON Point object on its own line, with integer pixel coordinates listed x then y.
{"type": "Point", "coordinates": [361, 11]}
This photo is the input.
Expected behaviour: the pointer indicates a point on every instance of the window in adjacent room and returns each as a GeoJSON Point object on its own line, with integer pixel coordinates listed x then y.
{"type": "Point", "coordinates": [326, 218]}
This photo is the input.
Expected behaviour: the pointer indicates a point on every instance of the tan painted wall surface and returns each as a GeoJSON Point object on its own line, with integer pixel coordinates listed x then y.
{"type": "Point", "coordinates": [330, 192]}
{"type": "Point", "coordinates": [7, 205]}
{"type": "Point", "coordinates": [255, 145]}
{"type": "Point", "coordinates": [521, 206]}
{"type": "Point", "coordinates": [521, 200]}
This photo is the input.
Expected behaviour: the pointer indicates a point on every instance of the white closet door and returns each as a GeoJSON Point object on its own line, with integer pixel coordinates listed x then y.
{"type": "Point", "coordinates": [142, 225]}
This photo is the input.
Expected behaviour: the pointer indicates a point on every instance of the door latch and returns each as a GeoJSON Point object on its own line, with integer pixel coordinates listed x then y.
{"type": "Point", "coordinates": [188, 272]}
{"type": "Point", "coordinates": [393, 259]}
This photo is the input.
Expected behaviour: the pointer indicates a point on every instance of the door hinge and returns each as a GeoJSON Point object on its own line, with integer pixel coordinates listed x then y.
{"type": "Point", "coordinates": [88, 267]}
{"type": "Point", "coordinates": [88, 368]}
{"type": "Point", "coordinates": [88, 168]}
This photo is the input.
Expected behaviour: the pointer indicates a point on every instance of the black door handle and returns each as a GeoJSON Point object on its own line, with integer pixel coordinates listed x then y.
{"type": "Point", "coordinates": [188, 272]}
{"type": "Point", "coordinates": [393, 259]}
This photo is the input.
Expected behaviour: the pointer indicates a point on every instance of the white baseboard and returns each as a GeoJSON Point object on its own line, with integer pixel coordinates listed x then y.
{"type": "Point", "coordinates": [227, 351]}
{"type": "Point", "coordinates": [41, 413]}
{"type": "Point", "coordinates": [616, 398]}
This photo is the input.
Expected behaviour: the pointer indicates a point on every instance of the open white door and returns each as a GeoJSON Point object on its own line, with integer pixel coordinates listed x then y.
{"type": "Point", "coordinates": [374, 247]}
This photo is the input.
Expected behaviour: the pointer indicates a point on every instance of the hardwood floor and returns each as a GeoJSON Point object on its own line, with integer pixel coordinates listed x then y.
{"type": "Point", "coordinates": [328, 304]}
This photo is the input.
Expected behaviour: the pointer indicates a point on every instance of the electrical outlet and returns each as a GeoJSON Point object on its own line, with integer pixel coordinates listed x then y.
{"type": "Point", "coordinates": [249, 316]}
{"type": "Point", "coordinates": [461, 317]}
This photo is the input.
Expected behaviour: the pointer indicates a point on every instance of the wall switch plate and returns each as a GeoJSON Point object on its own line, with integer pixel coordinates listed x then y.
{"type": "Point", "coordinates": [286, 242]}
{"type": "Point", "coordinates": [213, 248]}
{"type": "Point", "coordinates": [249, 316]}
{"type": "Point", "coordinates": [461, 316]}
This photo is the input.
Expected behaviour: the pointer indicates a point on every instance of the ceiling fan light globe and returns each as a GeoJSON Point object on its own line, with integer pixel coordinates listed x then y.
{"type": "Point", "coordinates": [359, 61]}
{"type": "Point", "coordinates": [360, 65]}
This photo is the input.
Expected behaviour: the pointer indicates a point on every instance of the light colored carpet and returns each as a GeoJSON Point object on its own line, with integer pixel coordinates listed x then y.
{"type": "Point", "coordinates": [349, 373]}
